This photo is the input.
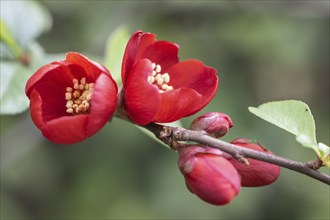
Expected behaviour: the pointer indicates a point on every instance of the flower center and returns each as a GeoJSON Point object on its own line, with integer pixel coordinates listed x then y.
{"type": "Point", "coordinates": [78, 98]}
{"type": "Point", "coordinates": [158, 79]}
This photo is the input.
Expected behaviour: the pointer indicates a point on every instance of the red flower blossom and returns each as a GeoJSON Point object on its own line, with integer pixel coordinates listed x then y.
{"type": "Point", "coordinates": [71, 99]}
{"type": "Point", "coordinates": [215, 124]}
{"type": "Point", "coordinates": [257, 173]}
{"type": "Point", "coordinates": [159, 88]}
{"type": "Point", "coordinates": [208, 174]}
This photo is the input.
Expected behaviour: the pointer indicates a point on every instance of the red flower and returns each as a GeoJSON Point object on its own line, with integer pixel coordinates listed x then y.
{"type": "Point", "coordinates": [159, 88]}
{"type": "Point", "coordinates": [71, 99]}
{"type": "Point", "coordinates": [215, 124]}
{"type": "Point", "coordinates": [208, 174]}
{"type": "Point", "coordinates": [257, 173]}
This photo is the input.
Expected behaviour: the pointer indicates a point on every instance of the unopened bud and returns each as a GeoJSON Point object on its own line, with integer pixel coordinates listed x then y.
{"type": "Point", "coordinates": [216, 124]}
{"type": "Point", "coordinates": [208, 174]}
{"type": "Point", "coordinates": [257, 173]}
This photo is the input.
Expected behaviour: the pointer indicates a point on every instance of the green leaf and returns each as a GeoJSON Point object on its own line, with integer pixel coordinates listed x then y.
{"type": "Point", "coordinates": [114, 52]}
{"type": "Point", "coordinates": [12, 98]}
{"type": "Point", "coordinates": [325, 153]}
{"type": "Point", "coordinates": [14, 76]}
{"type": "Point", "coordinates": [295, 117]}
{"type": "Point", "coordinates": [292, 116]}
{"type": "Point", "coordinates": [8, 39]}
{"type": "Point", "coordinates": [21, 23]}
{"type": "Point", "coordinates": [24, 21]}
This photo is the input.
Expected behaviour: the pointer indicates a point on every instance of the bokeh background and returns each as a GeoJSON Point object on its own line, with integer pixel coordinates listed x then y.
{"type": "Point", "coordinates": [263, 51]}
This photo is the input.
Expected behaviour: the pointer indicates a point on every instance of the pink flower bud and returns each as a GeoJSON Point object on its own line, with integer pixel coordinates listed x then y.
{"type": "Point", "coordinates": [216, 124]}
{"type": "Point", "coordinates": [208, 174]}
{"type": "Point", "coordinates": [257, 173]}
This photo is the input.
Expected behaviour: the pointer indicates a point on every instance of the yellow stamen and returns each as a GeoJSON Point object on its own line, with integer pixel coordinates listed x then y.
{"type": "Point", "coordinates": [79, 97]}
{"type": "Point", "coordinates": [158, 79]}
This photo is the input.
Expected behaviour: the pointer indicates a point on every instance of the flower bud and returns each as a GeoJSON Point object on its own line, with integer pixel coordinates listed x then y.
{"type": "Point", "coordinates": [216, 124]}
{"type": "Point", "coordinates": [208, 174]}
{"type": "Point", "coordinates": [257, 173]}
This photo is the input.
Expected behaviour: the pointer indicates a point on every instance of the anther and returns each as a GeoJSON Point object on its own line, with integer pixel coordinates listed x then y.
{"type": "Point", "coordinates": [69, 104]}
{"type": "Point", "coordinates": [164, 87]}
{"type": "Point", "coordinates": [76, 94]}
{"type": "Point", "coordinates": [169, 88]}
{"type": "Point", "coordinates": [81, 87]}
{"type": "Point", "coordinates": [158, 79]}
{"type": "Point", "coordinates": [78, 97]}
{"type": "Point", "coordinates": [89, 97]}
{"type": "Point", "coordinates": [158, 68]}
{"type": "Point", "coordinates": [151, 79]}
{"type": "Point", "coordinates": [76, 86]}
{"type": "Point", "coordinates": [166, 77]}
{"type": "Point", "coordinates": [68, 96]}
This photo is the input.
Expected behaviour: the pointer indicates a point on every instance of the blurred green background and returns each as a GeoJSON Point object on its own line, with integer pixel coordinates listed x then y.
{"type": "Point", "coordinates": [263, 51]}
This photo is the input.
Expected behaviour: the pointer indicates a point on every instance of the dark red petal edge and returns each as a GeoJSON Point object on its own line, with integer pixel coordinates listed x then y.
{"type": "Point", "coordinates": [130, 54]}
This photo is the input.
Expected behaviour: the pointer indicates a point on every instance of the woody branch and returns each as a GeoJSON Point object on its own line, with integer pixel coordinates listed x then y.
{"type": "Point", "coordinates": [174, 136]}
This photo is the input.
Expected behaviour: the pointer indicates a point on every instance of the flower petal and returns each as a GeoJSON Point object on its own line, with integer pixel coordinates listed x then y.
{"type": "Point", "coordinates": [142, 100]}
{"type": "Point", "coordinates": [161, 52]}
{"type": "Point", "coordinates": [103, 104]}
{"type": "Point", "coordinates": [67, 129]}
{"type": "Point", "coordinates": [257, 173]}
{"type": "Point", "coordinates": [195, 75]}
{"type": "Point", "coordinates": [146, 40]}
{"type": "Point", "coordinates": [130, 54]}
{"type": "Point", "coordinates": [41, 72]}
{"type": "Point", "coordinates": [178, 103]}
{"type": "Point", "coordinates": [36, 110]}
{"type": "Point", "coordinates": [52, 101]}
{"type": "Point", "coordinates": [213, 179]}
{"type": "Point", "coordinates": [91, 68]}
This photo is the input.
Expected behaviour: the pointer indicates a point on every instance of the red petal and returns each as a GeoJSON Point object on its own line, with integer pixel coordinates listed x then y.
{"type": "Point", "coordinates": [62, 130]}
{"type": "Point", "coordinates": [91, 68]}
{"type": "Point", "coordinates": [130, 54]}
{"type": "Point", "coordinates": [104, 101]}
{"type": "Point", "coordinates": [59, 73]}
{"type": "Point", "coordinates": [36, 110]}
{"type": "Point", "coordinates": [178, 103]}
{"type": "Point", "coordinates": [146, 40]}
{"type": "Point", "coordinates": [213, 179]}
{"type": "Point", "coordinates": [67, 129]}
{"type": "Point", "coordinates": [257, 173]}
{"type": "Point", "coordinates": [161, 52]}
{"type": "Point", "coordinates": [142, 100]}
{"type": "Point", "coordinates": [41, 72]}
{"type": "Point", "coordinates": [195, 75]}
{"type": "Point", "coordinates": [53, 103]}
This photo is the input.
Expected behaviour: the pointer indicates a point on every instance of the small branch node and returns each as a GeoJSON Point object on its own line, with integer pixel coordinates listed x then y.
{"type": "Point", "coordinates": [315, 164]}
{"type": "Point", "coordinates": [180, 134]}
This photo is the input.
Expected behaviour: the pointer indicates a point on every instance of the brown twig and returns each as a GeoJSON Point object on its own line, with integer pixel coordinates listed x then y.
{"type": "Point", "coordinates": [173, 137]}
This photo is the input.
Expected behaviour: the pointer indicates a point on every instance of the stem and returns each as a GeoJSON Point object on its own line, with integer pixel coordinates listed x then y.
{"type": "Point", "coordinates": [172, 136]}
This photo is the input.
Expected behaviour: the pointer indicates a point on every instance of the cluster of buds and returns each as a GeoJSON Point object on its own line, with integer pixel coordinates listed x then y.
{"type": "Point", "coordinates": [215, 176]}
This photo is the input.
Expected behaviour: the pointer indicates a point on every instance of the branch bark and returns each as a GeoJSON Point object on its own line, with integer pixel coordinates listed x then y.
{"type": "Point", "coordinates": [174, 137]}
